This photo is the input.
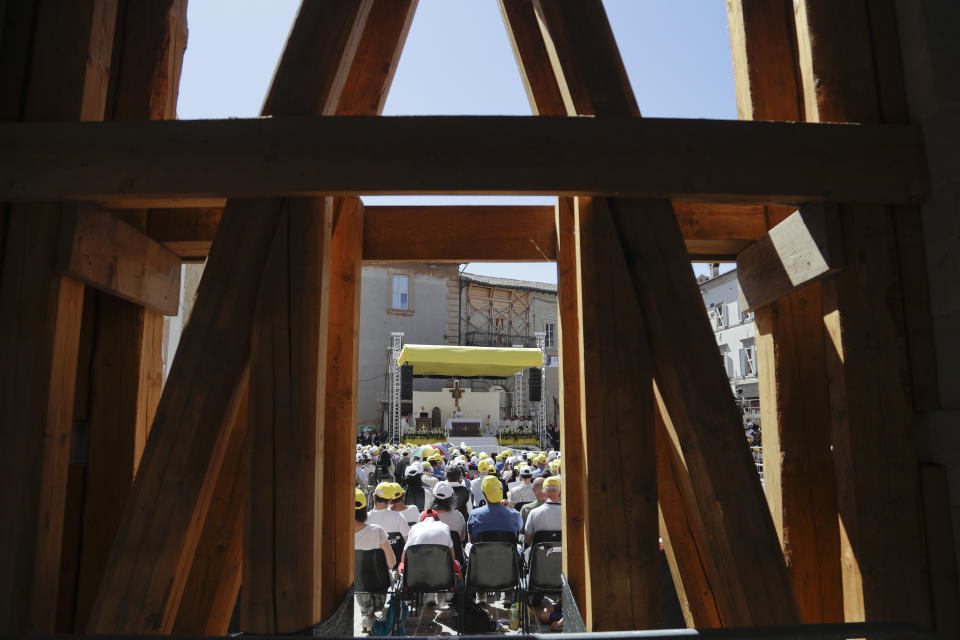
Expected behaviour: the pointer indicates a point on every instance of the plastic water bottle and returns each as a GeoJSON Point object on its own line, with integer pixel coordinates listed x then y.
{"type": "Point", "coordinates": [515, 616]}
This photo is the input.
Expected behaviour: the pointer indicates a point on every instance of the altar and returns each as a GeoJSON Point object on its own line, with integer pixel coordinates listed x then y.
{"type": "Point", "coordinates": [467, 427]}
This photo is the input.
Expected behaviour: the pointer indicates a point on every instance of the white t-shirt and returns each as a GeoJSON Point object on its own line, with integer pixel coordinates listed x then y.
{"type": "Point", "coordinates": [411, 514]}
{"type": "Point", "coordinates": [430, 532]}
{"type": "Point", "coordinates": [476, 490]}
{"type": "Point", "coordinates": [546, 517]}
{"type": "Point", "coordinates": [391, 521]}
{"type": "Point", "coordinates": [454, 520]}
{"type": "Point", "coordinates": [370, 537]}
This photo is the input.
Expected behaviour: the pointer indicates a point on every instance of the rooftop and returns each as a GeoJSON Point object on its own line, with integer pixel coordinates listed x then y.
{"type": "Point", "coordinates": [509, 283]}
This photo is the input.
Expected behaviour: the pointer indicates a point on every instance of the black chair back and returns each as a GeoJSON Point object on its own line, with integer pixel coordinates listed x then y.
{"type": "Point", "coordinates": [546, 536]}
{"type": "Point", "coordinates": [370, 572]}
{"type": "Point", "coordinates": [497, 536]}
{"type": "Point", "coordinates": [520, 505]}
{"type": "Point", "coordinates": [546, 564]}
{"type": "Point", "coordinates": [493, 566]}
{"type": "Point", "coordinates": [428, 568]}
{"type": "Point", "coordinates": [461, 497]}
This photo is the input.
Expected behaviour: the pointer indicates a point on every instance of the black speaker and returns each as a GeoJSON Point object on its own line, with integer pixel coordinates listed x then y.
{"type": "Point", "coordinates": [406, 408]}
{"type": "Point", "coordinates": [406, 383]}
{"type": "Point", "coordinates": [535, 377]}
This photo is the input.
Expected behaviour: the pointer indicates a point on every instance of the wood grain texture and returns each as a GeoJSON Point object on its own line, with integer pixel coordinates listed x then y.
{"type": "Point", "coordinates": [101, 250]}
{"type": "Point", "coordinates": [771, 162]}
{"type": "Point", "coordinates": [61, 59]}
{"type": "Point", "coordinates": [571, 425]}
{"type": "Point", "coordinates": [533, 60]}
{"type": "Point", "coordinates": [160, 531]}
{"type": "Point", "coordinates": [210, 595]}
{"type": "Point", "coordinates": [616, 411]}
{"type": "Point", "coordinates": [850, 72]}
{"type": "Point", "coordinates": [343, 361]}
{"type": "Point", "coordinates": [588, 65]}
{"type": "Point", "coordinates": [283, 522]}
{"type": "Point", "coordinates": [802, 249]}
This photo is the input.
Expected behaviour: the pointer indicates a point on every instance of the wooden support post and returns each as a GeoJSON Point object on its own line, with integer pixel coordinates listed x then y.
{"type": "Point", "coordinates": [571, 426]}
{"type": "Point", "coordinates": [793, 378]}
{"type": "Point", "coordinates": [64, 77]}
{"type": "Point", "coordinates": [210, 595]}
{"type": "Point", "coordinates": [158, 536]}
{"type": "Point", "coordinates": [850, 72]}
{"type": "Point", "coordinates": [616, 401]}
{"type": "Point", "coordinates": [283, 529]}
{"type": "Point", "coordinates": [343, 343]}
{"type": "Point", "coordinates": [938, 528]}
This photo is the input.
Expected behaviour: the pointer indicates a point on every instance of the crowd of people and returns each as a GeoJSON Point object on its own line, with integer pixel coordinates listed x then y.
{"type": "Point", "coordinates": [452, 500]}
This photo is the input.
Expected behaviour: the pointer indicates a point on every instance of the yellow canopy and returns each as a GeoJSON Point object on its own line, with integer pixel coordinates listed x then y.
{"type": "Point", "coordinates": [468, 362]}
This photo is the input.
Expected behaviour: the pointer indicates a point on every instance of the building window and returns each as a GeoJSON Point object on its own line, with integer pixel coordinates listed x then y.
{"type": "Point", "coordinates": [400, 292]}
{"type": "Point", "coordinates": [718, 316]}
{"type": "Point", "coordinates": [550, 329]}
{"type": "Point", "coordinates": [748, 361]}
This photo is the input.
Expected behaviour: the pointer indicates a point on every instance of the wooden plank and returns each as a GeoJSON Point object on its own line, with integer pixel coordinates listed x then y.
{"type": "Point", "coordinates": [938, 530]}
{"type": "Point", "coordinates": [800, 250]}
{"type": "Point", "coordinates": [63, 77]}
{"type": "Point", "coordinates": [476, 233]}
{"type": "Point", "coordinates": [533, 61]}
{"type": "Point", "coordinates": [283, 528]}
{"type": "Point", "coordinates": [685, 540]}
{"type": "Point", "coordinates": [101, 250]}
{"type": "Point", "coordinates": [210, 595]}
{"type": "Point", "coordinates": [571, 427]}
{"type": "Point", "coordinates": [794, 405]}
{"type": "Point", "coordinates": [158, 536]}
{"type": "Point", "coordinates": [729, 498]}
{"type": "Point", "coordinates": [616, 400]}
{"type": "Point", "coordinates": [343, 344]}
{"type": "Point", "coordinates": [773, 162]}
{"type": "Point", "coordinates": [847, 77]}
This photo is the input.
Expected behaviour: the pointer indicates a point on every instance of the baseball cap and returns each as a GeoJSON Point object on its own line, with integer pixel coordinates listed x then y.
{"type": "Point", "coordinates": [388, 491]}
{"type": "Point", "coordinates": [443, 490]}
{"type": "Point", "coordinates": [552, 481]}
{"type": "Point", "coordinates": [359, 500]}
{"type": "Point", "coordinates": [526, 472]}
{"type": "Point", "coordinates": [492, 490]}
{"type": "Point", "coordinates": [412, 470]}
{"type": "Point", "coordinates": [429, 513]}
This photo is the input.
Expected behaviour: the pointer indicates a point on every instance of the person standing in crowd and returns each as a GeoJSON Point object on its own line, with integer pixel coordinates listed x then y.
{"type": "Point", "coordinates": [549, 516]}
{"type": "Point", "coordinates": [539, 499]}
{"type": "Point", "coordinates": [415, 493]}
{"type": "Point", "coordinates": [390, 521]}
{"type": "Point", "coordinates": [367, 536]}
{"type": "Point", "coordinates": [493, 516]}
{"type": "Point", "coordinates": [401, 466]}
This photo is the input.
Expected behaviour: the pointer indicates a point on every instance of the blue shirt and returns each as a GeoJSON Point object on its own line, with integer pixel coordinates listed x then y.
{"type": "Point", "coordinates": [494, 517]}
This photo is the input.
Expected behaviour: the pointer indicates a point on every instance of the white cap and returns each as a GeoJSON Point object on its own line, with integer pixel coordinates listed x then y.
{"type": "Point", "coordinates": [443, 490]}
{"type": "Point", "coordinates": [413, 469]}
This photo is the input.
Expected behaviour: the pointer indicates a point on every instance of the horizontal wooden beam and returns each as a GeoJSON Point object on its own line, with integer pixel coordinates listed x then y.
{"type": "Point", "coordinates": [476, 233]}
{"type": "Point", "coordinates": [103, 251]}
{"type": "Point", "coordinates": [693, 160]}
{"type": "Point", "coordinates": [802, 249]}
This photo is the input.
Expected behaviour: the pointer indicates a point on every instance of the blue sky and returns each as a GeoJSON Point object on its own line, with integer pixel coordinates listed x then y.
{"type": "Point", "coordinates": [457, 60]}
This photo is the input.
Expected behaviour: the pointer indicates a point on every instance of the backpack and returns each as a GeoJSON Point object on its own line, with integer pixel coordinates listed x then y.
{"type": "Point", "coordinates": [473, 619]}
{"type": "Point", "coordinates": [394, 619]}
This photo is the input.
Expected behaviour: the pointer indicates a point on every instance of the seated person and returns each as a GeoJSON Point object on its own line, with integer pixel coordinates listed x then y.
{"type": "Point", "coordinates": [368, 536]}
{"type": "Point", "coordinates": [390, 521]}
{"type": "Point", "coordinates": [493, 516]}
{"type": "Point", "coordinates": [547, 517]}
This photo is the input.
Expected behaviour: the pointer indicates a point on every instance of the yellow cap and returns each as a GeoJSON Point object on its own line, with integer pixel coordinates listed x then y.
{"type": "Point", "coordinates": [552, 481]}
{"type": "Point", "coordinates": [492, 490]}
{"type": "Point", "coordinates": [359, 500]}
{"type": "Point", "coordinates": [388, 491]}
{"type": "Point", "coordinates": [484, 456]}
{"type": "Point", "coordinates": [427, 452]}
{"type": "Point", "coordinates": [436, 457]}
{"type": "Point", "coordinates": [555, 465]}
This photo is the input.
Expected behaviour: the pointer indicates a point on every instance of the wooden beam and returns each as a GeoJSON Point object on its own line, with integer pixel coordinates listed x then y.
{"type": "Point", "coordinates": [851, 73]}
{"type": "Point", "coordinates": [343, 344]}
{"type": "Point", "coordinates": [793, 379]}
{"type": "Point", "coordinates": [158, 536]}
{"type": "Point", "coordinates": [802, 249]}
{"type": "Point", "coordinates": [533, 61]}
{"type": "Point", "coordinates": [65, 54]}
{"type": "Point", "coordinates": [588, 67]}
{"type": "Point", "coordinates": [940, 547]}
{"type": "Point", "coordinates": [684, 159]}
{"type": "Point", "coordinates": [616, 401]}
{"type": "Point", "coordinates": [574, 478]}
{"type": "Point", "coordinates": [210, 595]}
{"type": "Point", "coordinates": [126, 365]}
{"type": "Point", "coordinates": [101, 250]}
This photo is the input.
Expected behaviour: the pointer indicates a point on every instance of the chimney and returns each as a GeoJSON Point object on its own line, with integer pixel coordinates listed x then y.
{"type": "Point", "coordinates": [714, 269]}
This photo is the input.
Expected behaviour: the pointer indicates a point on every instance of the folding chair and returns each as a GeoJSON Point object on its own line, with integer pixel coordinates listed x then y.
{"type": "Point", "coordinates": [546, 565]}
{"type": "Point", "coordinates": [428, 568]}
{"type": "Point", "coordinates": [546, 536]}
{"type": "Point", "coordinates": [396, 541]}
{"type": "Point", "coordinates": [493, 566]}
{"type": "Point", "coordinates": [458, 548]}
{"type": "Point", "coordinates": [370, 573]}
{"type": "Point", "coordinates": [497, 536]}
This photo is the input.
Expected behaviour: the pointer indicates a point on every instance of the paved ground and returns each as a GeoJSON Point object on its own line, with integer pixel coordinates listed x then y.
{"type": "Point", "coordinates": [438, 621]}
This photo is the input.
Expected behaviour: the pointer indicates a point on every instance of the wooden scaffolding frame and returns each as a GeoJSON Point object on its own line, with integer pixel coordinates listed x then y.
{"type": "Point", "coordinates": [245, 476]}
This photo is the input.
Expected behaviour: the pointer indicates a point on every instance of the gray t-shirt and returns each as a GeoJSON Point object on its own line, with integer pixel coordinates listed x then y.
{"type": "Point", "coordinates": [370, 537]}
{"type": "Point", "coordinates": [548, 517]}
